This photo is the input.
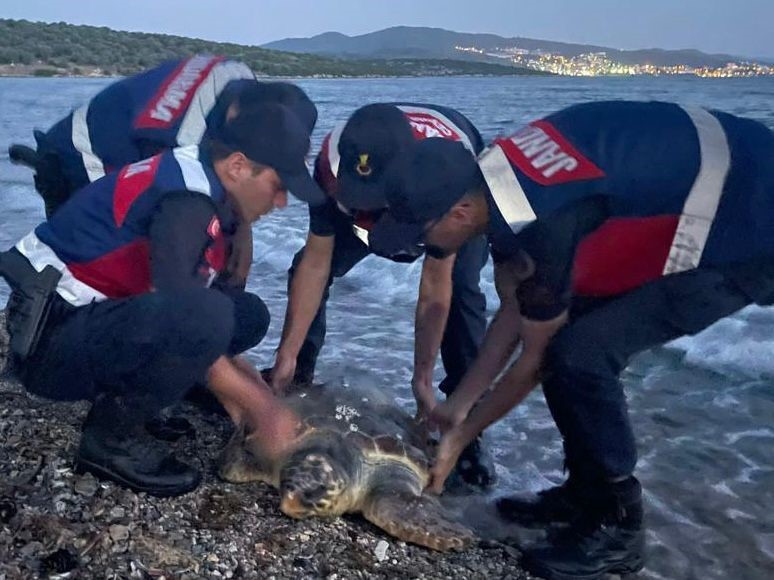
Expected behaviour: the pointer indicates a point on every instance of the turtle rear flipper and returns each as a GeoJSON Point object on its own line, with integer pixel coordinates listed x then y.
{"type": "Point", "coordinates": [417, 519]}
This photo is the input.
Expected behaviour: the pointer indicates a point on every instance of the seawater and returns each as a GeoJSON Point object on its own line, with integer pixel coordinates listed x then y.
{"type": "Point", "coordinates": [702, 406]}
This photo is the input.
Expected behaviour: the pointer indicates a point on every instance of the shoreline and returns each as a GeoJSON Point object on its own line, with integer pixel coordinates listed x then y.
{"type": "Point", "coordinates": [57, 522]}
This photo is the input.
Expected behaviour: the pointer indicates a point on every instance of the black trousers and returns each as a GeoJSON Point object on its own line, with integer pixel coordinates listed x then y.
{"type": "Point", "coordinates": [467, 315]}
{"type": "Point", "coordinates": [581, 376]}
{"type": "Point", "coordinates": [153, 347]}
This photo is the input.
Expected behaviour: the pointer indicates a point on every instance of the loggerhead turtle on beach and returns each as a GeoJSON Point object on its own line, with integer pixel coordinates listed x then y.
{"type": "Point", "coordinates": [353, 454]}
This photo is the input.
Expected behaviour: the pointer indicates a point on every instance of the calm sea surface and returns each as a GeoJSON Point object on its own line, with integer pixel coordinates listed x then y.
{"type": "Point", "coordinates": [702, 407]}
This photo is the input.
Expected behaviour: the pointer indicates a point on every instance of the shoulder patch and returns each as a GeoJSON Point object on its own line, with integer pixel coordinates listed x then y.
{"type": "Point", "coordinates": [132, 180]}
{"type": "Point", "coordinates": [176, 93]}
{"type": "Point", "coordinates": [427, 125]}
{"type": "Point", "coordinates": [545, 156]}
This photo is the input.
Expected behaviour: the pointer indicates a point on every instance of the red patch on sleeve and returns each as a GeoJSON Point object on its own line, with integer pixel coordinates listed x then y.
{"type": "Point", "coordinates": [132, 180]}
{"type": "Point", "coordinates": [215, 254]}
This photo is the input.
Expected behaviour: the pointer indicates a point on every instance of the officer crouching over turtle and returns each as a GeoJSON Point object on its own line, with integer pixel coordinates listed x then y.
{"type": "Point", "coordinates": [117, 297]}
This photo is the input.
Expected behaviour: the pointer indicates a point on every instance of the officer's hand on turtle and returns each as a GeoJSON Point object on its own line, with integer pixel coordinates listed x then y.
{"type": "Point", "coordinates": [282, 373]}
{"type": "Point", "coordinates": [425, 398]}
{"type": "Point", "coordinates": [446, 415]}
{"type": "Point", "coordinates": [446, 456]}
{"type": "Point", "coordinates": [276, 426]}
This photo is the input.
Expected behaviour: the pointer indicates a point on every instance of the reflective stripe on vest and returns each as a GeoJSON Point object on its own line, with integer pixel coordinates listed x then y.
{"type": "Point", "coordinates": [194, 123]}
{"type": "Point", "coordinates": [703, 200]}
{"type": "Point", "coordinates": [193, 172]}
{"type": "Point", "coordinates": [82, 143]}
{"type": "Point", "coordinates": [70, 288]}
{"type": "Point", "coordinates": [334, 159]}
{"type": "Point", "coordinates": [507, 193]}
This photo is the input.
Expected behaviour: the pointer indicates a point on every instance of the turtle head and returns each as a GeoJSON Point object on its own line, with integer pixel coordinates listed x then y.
{"type": "Point", "coordinates": [316, 483]}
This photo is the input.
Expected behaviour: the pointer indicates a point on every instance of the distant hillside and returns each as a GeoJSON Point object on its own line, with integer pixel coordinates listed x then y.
{"type": "Point", "coordinates": [407, 41]}
{"type": "Point", "coordinates": [62, 49]}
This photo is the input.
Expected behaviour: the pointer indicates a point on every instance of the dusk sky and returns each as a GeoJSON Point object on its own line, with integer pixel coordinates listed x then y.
{"type": "Point", "coordinates": [738, 27]}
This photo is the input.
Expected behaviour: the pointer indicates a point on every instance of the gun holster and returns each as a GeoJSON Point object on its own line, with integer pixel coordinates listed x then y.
{"type": "Point", "coordinates": [29, 305]}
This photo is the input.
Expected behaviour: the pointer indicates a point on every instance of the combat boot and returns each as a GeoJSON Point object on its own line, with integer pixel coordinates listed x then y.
{"type": "Point", "coordinates": [475, 466]}
{"type": "Point", "coordinates": [560, 504]}
{"type": "Point", "coordinates": [607, 538]}
{"type": "Point", "coordinates": [115, 446]}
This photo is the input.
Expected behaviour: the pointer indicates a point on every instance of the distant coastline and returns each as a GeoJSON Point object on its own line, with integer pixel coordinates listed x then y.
{"type": "Point", "coordinates": [35, 49]}
{"type": "Point", "coordinates": [44, 50]}
{"type": "Point", "coordinates": [42, 71]}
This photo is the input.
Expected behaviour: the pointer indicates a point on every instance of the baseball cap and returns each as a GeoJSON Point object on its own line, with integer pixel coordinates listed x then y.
{"type": "Point", "coordinates": [371, 140]}
{"type": "Point", "coordinates": [280, 93]}
{"type": "Point", "coordinates": [422, 185]}
{"type": "Point", "coordinates": [271, 134]}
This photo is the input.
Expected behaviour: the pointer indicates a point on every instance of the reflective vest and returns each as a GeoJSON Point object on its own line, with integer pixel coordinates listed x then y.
{"type": "Point", "coordinates": [685, 187]}
{"type": "Point", "coordinates": [99, 239]}
{"type": "Point", "coordinates": [426, 121]}
{"type": "Point", "coordinates": [169, 106]}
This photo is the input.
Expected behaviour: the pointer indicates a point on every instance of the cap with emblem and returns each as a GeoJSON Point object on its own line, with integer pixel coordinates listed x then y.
{"type": "Point", "coordinates": [371, 140]}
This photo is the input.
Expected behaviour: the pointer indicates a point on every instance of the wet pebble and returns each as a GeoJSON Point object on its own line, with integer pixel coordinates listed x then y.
{"type": "Point", "coordinates": [118, 533]}
{"type": "Point", "coordinates": [381, 550]}
{"type": "Point", "coordinates": [86, 486]}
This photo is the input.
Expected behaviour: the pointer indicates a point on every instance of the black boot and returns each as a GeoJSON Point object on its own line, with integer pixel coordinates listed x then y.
{"type": "Point", "coordinates": [475, 466]}
{"type": "Point", "coordinates": [170, 428]}
{"type": "Point", "coordinates": [556, 505]}
{"type": "Point", "coordinates": [115, 446]}
{"type": "Point", "coordinates": [608, 538]}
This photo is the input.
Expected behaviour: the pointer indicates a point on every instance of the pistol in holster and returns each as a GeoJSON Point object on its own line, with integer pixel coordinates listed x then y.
{"type": "Point", "coordinates": [29, 305]}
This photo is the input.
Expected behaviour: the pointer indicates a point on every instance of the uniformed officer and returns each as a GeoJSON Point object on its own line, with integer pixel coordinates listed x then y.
{"type": "Point", "coordinates": [614, 227]}
{"type": "Point", "coordinates": [450, 311]}
{"type": "Point", "coordinates": [175, 104]}
{"type": "Point", "coordinates": [137, 314]}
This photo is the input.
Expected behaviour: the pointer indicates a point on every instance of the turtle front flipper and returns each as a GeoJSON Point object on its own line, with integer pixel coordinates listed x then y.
{"type": "Point", "coordinates": [416, 519]}
{"type": "Point", "coordinates": [243, 460]}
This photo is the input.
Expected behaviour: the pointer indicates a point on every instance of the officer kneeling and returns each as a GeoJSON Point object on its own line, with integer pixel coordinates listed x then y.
{"type": "Point", "coordinates": [119, 297]}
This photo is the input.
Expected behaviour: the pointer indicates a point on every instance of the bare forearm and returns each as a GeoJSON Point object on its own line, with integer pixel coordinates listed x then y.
{"type": "Point", "coordinates": [429, 325]}
{"type": "Point", "coordinates": [520, 379]}
{"type": "Point", "coordinates": [432, 313]}
{"type": "Point", "coordinates": [240, 394]}
{"type": "Point", "coordinates": [509, 391]}
{"type": "Point", "coordinates": [306, 293]}
{"type": "Point", "coordinates": [499, 343]}
{"type": "Point", "coordinates": [248, 368]}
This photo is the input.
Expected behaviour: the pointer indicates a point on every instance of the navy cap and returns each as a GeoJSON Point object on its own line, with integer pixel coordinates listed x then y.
{"type": "Point", "coordinates": [273, 135]}
{"type": "Point", "coordinates": [280, 93]}
{"type": "Point", "coordinates": [371, 140]}
{"type": "Point", "coordinates": [422, 185]}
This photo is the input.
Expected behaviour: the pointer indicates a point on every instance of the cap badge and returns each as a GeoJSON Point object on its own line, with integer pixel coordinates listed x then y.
{"type": "Point", "coordinates": [362, 168]}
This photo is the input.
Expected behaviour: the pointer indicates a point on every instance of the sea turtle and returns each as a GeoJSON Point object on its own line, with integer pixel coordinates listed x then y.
{"type": "Point", "coordinates": [355, 453]}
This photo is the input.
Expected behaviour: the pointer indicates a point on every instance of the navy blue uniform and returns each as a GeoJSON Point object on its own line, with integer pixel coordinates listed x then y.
{"type": "Point", "coordinates": [134, 315]}
{"type": "Point", "coordinates": [648, 221]}
{"type": "Point", "coordinates": [172, 105]}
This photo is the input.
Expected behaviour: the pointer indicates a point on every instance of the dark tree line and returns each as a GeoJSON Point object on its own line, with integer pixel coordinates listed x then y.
{"type": "Point", "coordinates": [70, 48]}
